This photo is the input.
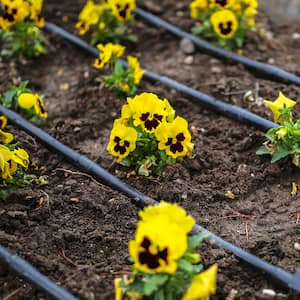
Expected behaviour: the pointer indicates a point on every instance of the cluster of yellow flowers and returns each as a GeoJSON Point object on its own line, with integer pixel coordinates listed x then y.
{"type": "Point", "coordinates": [149, 132]}
{"type": "Point", "coordinates": [10, 158]}
{"type": "Point", "coordinates": [106, 18]}
{"type": "Point", "coordinates": [123, 81]}
{"type": "Point", "coordinates": [154, 251]}
{"type": "Point", "coordinates": [14, 11]}
{"type": "Point", "coordinates": [227, 19]}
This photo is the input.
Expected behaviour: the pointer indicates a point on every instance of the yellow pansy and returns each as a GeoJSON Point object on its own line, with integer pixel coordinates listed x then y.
{"type": "Point", "coordinates": [280, 103]}
{"type": "Point", "coordinates": [174, 138]}
{"type": "Point", "coordinates": [35, 12]}
{"type": "Point", "coordinates": [174, 213]}
{"type": "Point", "coordinates": [169, 110]}
{"type": "Point", "coordinates": [282, 132]}
{"type": "Point", "coordinates": [251, 3]}
{"type": "Point", "coordinates": [13, 12]}
{"type": "Point", "coordinates": [224, 23]}
{"type": "Point", "coordinates": [203, 285]}
{"type": "Point", "coordinates": [3, 122]}
{"type": "Point", "coordinates": [5, 137]}
{"type": "Point", "coordinates": [89, 15]}
{"type": "Point", "coordinates": [156, 250]}
{"type": "Point", "coordinates": [135, 66]}
{"type": "Point", "coordinates": [29, 100]}
{"type": "Point", "coordinates": [147, 110]}
{"type": "Point", "coordinates": [108, 53]}
{"type": "Point", "coordinates": [5, 157]}
{"type": "Point", "coordinates": [122, 9]}
{"type": "Point", "coordinates": [198, 6]}
{"type": "Point", "coordinates": [122, 140]}
{"type": "Point", "coordinates": [21, 157]}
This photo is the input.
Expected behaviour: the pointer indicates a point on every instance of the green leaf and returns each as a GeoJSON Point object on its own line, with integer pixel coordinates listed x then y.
{"type": "Point", "coordinates": [8, 98]}
{"type": "Point", "coordinates": [153, 282]}
{"type": "Point", "coordinates": [262, 151]}
{"type": "Point", "coordinates": [279, 154]}
{"type": "Point", "coordinates": [195, 240]}
{"type": "Point", "coordinates": [159, 295]}
{"type": "Point", "coordinates": [118, 69]}
{"type": "Point", "coordinates": [185, 265]}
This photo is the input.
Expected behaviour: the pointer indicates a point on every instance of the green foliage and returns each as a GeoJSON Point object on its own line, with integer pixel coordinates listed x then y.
{"type": "Point", "coordinates": [10, 100]}
{"type": "Point", "coordinates": [147, 157]}
{"type": "Point", "coordinates": [121, 80]}
{"type": "Point", "coordinates": [23, 40]}
{"type": "Point", "coordinates": [283, 141]}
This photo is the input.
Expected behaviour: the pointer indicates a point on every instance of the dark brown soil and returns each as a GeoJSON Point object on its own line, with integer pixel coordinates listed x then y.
{"type": "Point", "coordinates": [79, 236]}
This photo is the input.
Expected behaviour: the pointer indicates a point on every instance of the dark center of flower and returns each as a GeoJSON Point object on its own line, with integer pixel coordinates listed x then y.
{"type": "Point", "coordinates": [177, 145]}
{"type": "Point", "coordinates": [123, 12]}
{"type": "Point", "coordinates": [149, 259]}
{"type": "Point", "coordinates": [222, 2]}
{"type": "Point", "coordinates": [120, 147]}
{"type": "Point", "coordinates": [226, 28]}
{"type": "Point", "coordinates": [151, 123]}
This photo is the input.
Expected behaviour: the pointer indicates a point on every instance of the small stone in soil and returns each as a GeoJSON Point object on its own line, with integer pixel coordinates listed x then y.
{"type": "Point", "coordinates": [268, 294]}
{"type": "Point", "coordinates": [189, 60]}
{"type": "Point", "coordinates": [297, 246]}
{"type": "Point", "coordinates": [186, 46]}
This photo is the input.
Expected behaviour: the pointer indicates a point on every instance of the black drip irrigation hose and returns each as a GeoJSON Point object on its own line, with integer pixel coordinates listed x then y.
{"type": "Point", "coordinates": [233, 111]}
{"type": "Point", "coordinates": [88, 166]}
{"type": "Point", "coordinates": [30, 274]}
{"type": "Point", "coordinates": [269, 71]}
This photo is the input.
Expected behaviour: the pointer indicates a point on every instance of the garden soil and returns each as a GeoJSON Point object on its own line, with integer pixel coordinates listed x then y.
{"type": "Point", "coordinates": [78, 234]}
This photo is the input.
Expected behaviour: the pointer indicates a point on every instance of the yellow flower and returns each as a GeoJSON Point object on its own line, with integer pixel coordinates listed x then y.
{"type": "Point", "coordinates": [169, 110]}
{"type": "Point", "coordinates": [282, 132]}
{"type": "Point", "coordinates": [135, 66]}
{"type": "Point", "coordinates": [146, 110]}
{"type": "Point", "coordinates": [174, 138]}
{"type": "Point", "coordinates": [125, 88]}
{"type": "Point", "coordinates": [21, 157]}
{"type": "Point", "coordinates": [13, 12]}
{"type": "Point", "coordinates": [203, 285]}
{"type": "Point", "coordinates": [29, 100]}
{"type": "Point", "coordinates": [278, 105]}
{"type": "Point", "coordinates": [154, 248]}
{"type": "Point", "coordinates": [3, 122]}
{"type": "Point", "coordinates": [251, 3]}
{"type": "Point", "coordinates": [225, 23]}
{"type": "Point", "coordinates": [35, 12]}
{"type": "Point", "coordinates": [108, 53]}
{"type": "Point", "coordinates": [174, 213]}
{"type": "Point", "coordinates": [197, 6]}
{"type": "Point", "coordinates": [122, 140]}
{"type": "Point", "coordinates": [122, 9]}
{"type": "Point", "coordinates": [5, 157]}
{"type": "Point", "coordinates": [89, 15]}
{"type": "Point", "coordinates": [5, 137]}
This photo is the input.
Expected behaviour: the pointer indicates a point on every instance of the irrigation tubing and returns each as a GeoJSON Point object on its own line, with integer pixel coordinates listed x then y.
{"type": "Point", "coordinates": [269, 71]}
{"type": "Point", "coordinates": [88, 166]}
{"type": "Point", "coordinates": [233, 111]}
{"type": "Point", "coordinates": [30, 274]}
